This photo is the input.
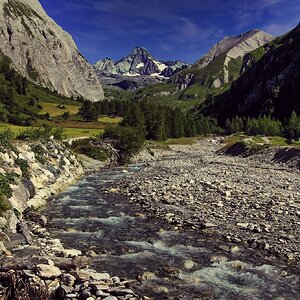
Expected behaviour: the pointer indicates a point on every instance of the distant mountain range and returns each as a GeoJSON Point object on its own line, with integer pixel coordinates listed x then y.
{"type": "Point", "coordinates": [269, 85]}
{"type": "Point", "coordinates": [139, 68]}
{"type": "Point", "coordinates": [212, 74]}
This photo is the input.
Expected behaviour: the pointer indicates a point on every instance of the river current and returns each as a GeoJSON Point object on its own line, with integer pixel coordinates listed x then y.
{"type": "Point", "coordinates": [177, 264]}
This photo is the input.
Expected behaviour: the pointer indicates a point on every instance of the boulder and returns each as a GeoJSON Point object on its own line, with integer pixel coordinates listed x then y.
{"type": "Point", "coordinates": [48, 272]}
{"type": "Point", "coordinates": [12, 221]}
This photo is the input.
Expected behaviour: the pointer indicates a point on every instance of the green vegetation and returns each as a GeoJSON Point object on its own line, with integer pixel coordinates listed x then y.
{"type": "Point", "coordinates": [24, 166]}
{"type": "Point", "coordinates": [5, 191]}
{"type": "Point", "coordinates": [127, 140]}
{"type": "Point", "coordinates": [6, 138]}
{"type": "Point", "coordinates": [265, 126]}
{"type": "Point", "coordinates": [44, 133]}
{"type": "Point", "coordinates": [81, 132]}
{"type": "Point", "coordinates": [109, 120]}
{"type": "Point", "coordinates": [54, 109]}
{"type": "Point", "coordinates": [39, 152]}
{"type": "Point", "coordinates": [90, 148]}
{"type": "Point", "coordinates": [258, 91]}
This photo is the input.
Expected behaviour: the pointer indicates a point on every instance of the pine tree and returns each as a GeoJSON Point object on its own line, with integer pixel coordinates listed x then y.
{"type": "Point", "coordinates": [293, 127]}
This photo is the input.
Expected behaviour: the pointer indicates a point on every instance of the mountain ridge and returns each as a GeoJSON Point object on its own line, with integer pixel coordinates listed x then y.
{"type": "Point", "coordinates": [269, 85]}
{"type": "Point", "coordinates": [138, 63]}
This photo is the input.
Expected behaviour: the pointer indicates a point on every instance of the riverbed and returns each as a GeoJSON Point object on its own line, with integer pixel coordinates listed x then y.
{"type": "Point", "coordinates": [167, 262]}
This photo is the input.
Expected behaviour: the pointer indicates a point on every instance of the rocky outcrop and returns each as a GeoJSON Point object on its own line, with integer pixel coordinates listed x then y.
{"type": "Point", "coordinates": [30, 174]}
{"type": "Point", "coordinates": [43, 52]}
{"type": "Point", "coordinates": [140, 66]}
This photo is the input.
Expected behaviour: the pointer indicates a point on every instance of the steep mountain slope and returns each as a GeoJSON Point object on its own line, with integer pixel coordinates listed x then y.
{"type": "Point", "coordinates": [139, 68]}
{"type": "Point", "coordinates": [220, 66]}
{"type": "Point", "coordinates": [43, 52]}
{"type": "Point", "coordinates": [270, 84]}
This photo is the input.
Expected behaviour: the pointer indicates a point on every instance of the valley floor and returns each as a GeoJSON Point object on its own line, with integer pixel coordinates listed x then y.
{"type": "Point", "coordinates": [253, 203]}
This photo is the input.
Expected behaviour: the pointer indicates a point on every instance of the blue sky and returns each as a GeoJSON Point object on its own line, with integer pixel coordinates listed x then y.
{"type": "Point", "coordinates": [170, 29]}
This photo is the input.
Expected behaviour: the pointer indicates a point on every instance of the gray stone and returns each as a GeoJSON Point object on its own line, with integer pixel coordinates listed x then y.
{"type": "Point", "coordinates": [12, 221]}
{"type": "Point", "coordinates": [47, 271]}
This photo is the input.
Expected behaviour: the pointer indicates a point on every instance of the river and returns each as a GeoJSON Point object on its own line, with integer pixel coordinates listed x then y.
{"type": "Point", "coordinates": [177, 264]}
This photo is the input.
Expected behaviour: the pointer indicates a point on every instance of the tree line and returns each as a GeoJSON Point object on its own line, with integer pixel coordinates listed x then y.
{"type": "Point", "coordinates": [156, 122]}
{"type": "Point", "coordinates": [265, 126]}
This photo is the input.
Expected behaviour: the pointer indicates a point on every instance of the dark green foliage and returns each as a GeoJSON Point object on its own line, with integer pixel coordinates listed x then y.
{"type": "Point", "coordinates": [127, 140]}
{"type": "Point", "coordinates": [251, 126]}
{"type": "Point", "coordinates": [87, 147]}
{"type": "Point", "coordinates": [24, 166]}
{"type": "Point", "coordinates": [44, 133]}
{"type": "Point", "coordinates": [6, 138]}
{"type": "Point", "coordinates": [5, 190]}
{"type": "Point", "coordinates": [88, 112]}
{"type": "Point", "coordinates": [134, 117]}
{"type": "Point", "coordinates": [66, 115]}
{"type": "Point", "coordinates": [293, 126]}
{"type": "Point", "coordinates": [39, 152]}
{"type": "Point", "coordinates": [207, 126]}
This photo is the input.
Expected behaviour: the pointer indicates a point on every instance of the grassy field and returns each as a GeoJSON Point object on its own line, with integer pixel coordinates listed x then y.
{"type": "Point", "coordinates": [278, 141]}
{"type": "Point", "coordinates": [69, 132]}
{"type": "Point", "coordinates": [82, 132]}
{"type": "Point", "coordinates": [54, 110]}
{"type": "Point", "coordinates": [109, 120]}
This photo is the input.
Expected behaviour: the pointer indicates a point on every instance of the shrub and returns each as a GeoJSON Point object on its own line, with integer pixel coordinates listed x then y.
{"type": "Point", "coordinates": [85, 147]}
{"type": "Point", "coordinates": [127, 140]}
{"type": "Point", "coordinates": [39, 152]}
{"type": "Point", "coordinates": [6, 138]}
{"type": "Point", "coordinates": [44, 133]}
{"type": "Point", "coordinates": [5, 190]}
{"type": "Point", "coordinates": [23, 164]}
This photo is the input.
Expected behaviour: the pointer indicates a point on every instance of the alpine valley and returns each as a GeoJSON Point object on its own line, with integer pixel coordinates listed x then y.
{"type": "Point", "coordinates": [143, 178]}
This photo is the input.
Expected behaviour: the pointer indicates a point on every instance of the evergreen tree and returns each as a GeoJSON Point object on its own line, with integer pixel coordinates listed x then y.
{"type": "Point", "coordinates": [88, 111]}
{"type": "Point", "coordinates": [293, 127]}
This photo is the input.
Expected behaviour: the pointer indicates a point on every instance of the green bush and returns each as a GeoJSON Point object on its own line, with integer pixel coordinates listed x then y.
{"type": "Point", "coordinates": [44, 133]}
{"type": "Point", "coordinates": [5, 191]}
{"type": "Point", "coordinates": [127, 140]}
{"type": "Point", "coordinates": [6, 138]}
{"type": "Point", "coordinates": [39, 152]}
{"type": "Point", "coordinates": [23, 164]}
{"type": "Point", "coordinates": [83, 146]}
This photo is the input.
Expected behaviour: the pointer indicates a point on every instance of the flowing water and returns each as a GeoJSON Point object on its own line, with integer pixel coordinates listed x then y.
{"type": "Point", "coordinates": [178, 264]}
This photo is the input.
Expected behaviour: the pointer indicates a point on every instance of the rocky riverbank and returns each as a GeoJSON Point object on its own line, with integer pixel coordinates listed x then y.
{"type": "Point", "coordinates": [41, 268]}
{"type": "Point", "coordinates": [252, 203]}
{"type": "Point", "coordinates": [33, 265]}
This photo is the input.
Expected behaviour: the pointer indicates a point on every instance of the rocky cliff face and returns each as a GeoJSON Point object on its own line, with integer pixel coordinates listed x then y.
{"type": "Point", "coordinates": [140, 68]}
{"type": "Point", "coordinates": [43, 52]}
